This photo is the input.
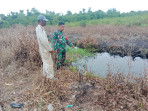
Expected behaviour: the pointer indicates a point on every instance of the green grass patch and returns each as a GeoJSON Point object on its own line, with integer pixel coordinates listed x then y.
{"type": "Point", "coordinates": [137, 20]}
{"type": "Point", "coordinates": [73, 54]}
{"type": "Point", "coordinates": [92, 75]}
{"type": "Point", "coordinates": [73, 68]}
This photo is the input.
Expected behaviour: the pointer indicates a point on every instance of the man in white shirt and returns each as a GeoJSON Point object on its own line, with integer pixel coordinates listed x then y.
{"type": "Point", "coordinates": [45, 48]}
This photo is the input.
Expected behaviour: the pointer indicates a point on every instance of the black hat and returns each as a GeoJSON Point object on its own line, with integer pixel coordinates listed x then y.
{"type": "Point", "coordinates": [61, 23]}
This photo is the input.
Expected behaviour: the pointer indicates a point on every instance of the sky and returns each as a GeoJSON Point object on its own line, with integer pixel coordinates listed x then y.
{"type": "Point", "coordinates": [62, 6]}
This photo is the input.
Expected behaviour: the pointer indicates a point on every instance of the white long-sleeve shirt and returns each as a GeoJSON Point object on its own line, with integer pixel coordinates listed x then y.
{"type": "Point", "coordinates": [44, 45]}
{"type": "Point", "coordinates": [44, 48]}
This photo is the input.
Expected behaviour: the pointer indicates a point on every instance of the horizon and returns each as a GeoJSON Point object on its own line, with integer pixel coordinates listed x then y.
{"type": "Point", "coordinates": [76, 6]}
{"type": "Point", "coordinates": [86, 10]}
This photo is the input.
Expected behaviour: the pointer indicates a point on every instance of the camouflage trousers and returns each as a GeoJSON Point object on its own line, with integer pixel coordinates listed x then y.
{"type": "Point", "coordinates": [60, 59]}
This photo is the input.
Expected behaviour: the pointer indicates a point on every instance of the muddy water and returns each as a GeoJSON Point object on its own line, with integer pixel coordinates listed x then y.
{"type": "Point", "coordinates": [103, 63]}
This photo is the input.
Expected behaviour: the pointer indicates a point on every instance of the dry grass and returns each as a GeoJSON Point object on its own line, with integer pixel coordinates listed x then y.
{"type": "Point", "coordinates": [21, 79]}
{"type": "Point", "coordinates": [19, 44]}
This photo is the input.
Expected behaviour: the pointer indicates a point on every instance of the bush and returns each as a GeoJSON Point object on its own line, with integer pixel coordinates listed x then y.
{"type": "Point", "coordinates": [19, 44]}
{"type": "Point", "coordinates": [83, 23]}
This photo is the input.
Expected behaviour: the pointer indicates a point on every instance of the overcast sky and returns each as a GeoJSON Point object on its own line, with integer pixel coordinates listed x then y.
{"type": "Point", "coordinates": [61, 6]}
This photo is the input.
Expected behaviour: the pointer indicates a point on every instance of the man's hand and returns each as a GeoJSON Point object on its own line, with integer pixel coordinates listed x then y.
{"type": "Point", "coordinates": [53, 51]}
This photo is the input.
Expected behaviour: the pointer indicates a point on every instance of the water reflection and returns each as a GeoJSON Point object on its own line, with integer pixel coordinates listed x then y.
{"type": "Point", "coordinates": [103, 63]}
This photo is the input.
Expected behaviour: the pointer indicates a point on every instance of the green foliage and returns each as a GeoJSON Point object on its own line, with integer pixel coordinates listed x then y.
{"type": "Point", "coordinates": [140, 106]}
{"type": "Point", "coordinates": [83, 18]}
{"type": "Point", "coordinates": [4, 24]}
{"type": "Point", "coordinates": [73, 68]}
{"type": "Point", "coordinates": [83, 23]}
{"type": "Point", "coordinates": [74, 54]}
{"type": "Point", "coordinates": [136, 20]}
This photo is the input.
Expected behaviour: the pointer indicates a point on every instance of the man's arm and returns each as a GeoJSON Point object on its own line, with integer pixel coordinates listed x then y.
{"type": "Point", "coordinates": [54, 41]}
{"type": "Point", "coordinates": [68, 42]}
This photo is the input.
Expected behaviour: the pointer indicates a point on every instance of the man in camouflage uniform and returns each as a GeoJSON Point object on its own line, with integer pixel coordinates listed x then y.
{"type": "Point", "coordinates": [59, 42]}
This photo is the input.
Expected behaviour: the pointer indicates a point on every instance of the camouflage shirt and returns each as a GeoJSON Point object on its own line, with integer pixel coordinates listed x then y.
{"type": "Point", "coordinates": [59, 41]}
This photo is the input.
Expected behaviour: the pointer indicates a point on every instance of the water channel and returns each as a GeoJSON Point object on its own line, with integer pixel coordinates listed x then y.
{"type": "Point", "coordinates": [103, 63]}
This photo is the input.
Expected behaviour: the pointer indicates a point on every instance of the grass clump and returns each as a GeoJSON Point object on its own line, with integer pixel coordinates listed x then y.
{"type": "Point", "coordinates": [73, 54]}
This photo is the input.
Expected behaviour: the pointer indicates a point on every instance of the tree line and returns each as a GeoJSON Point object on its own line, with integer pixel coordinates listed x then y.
{"type": "Point", "coordinates": [31, 16]}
